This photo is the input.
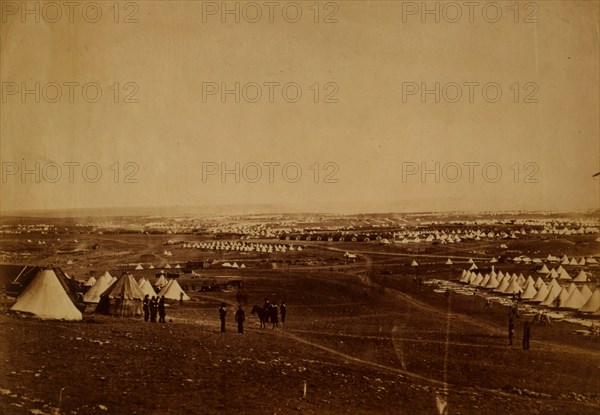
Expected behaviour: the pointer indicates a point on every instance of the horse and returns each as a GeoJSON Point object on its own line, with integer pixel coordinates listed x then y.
{"type": "Point", "coordinates": [263, 315]}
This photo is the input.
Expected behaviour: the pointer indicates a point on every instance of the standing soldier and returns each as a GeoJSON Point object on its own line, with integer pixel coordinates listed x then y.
{"type": "Point", "coordinates": [526, 334]}
{"type": "Point", "coordinates": [153, 309]}
{"type": "Point", "coordinates": [267, 308]}
{"type": "Point", "coordinates": [274, 315]}
{"type": "Point", "coordinates": [161, 310]}
{"type": "Point", "coordinates": [283, 311]}
{"type": "Point", "coordinates": [222, 314]}
{"type": "Point", "coordinates": [146, 307]}
{"type": "Point", "coordinates": [240, 316]}
{"type": "Point", "coordinates": [511, 330]}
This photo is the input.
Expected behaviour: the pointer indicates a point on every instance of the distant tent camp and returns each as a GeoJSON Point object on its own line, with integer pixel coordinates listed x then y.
{"type": "Point", "coordinates": [46, 298]}
{"type": "Point", "coordinates": [102, 283]}
{"type": "Point", "coordinates": [173, 291]}
{"type": "Point", "coordinates": [123, 298]}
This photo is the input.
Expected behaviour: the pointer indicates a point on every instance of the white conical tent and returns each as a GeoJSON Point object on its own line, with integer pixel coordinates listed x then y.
{"type": "Point", "coordinates": [581, 277]}
{"type": "Point", "coordinates": [466, 278]}
{"type": "Point", "coordinates": [564, 275]}
{"type": "Point", "coordinates": [541, 294]}
{"type": "Point", "coordinates": [503, 285]}
{"type": "Point", "coordinates": [563, 295]}
{"type": "Point", "coordinates": [147, 288]}
{"type": "Point", "coordinates": [414, 263]}
{"type": "Point", "coordinates": [575, 301]}
{"type": "Point", "coordinates": [173, 291]}
{"type": "Point", "coordinates": [492, 283]}
{"type": "Point", "coordinates": [93, 294]}
{"type": "Point", "coordinates": [586, 293]}
{"type": "Point", "coordinates": [592, 305]}
{"type": "Point", "coordinates": [162, 281]}
{"type": "Point", "coordinates": [553, 292]}
{"type": "Point", "coordinates": [513, 288]}
{"type": "Point", "coordinates": [477, 280]}
{"type": "Point", "coordinates": [529, 292]}
{"type": "Point", "coordinates": [91, 281]}
{"type": "Point", "coordinates": [485, 280]}
{"type": "Point", "coordinates": [544, 270]}
{"type": "Point", "coordinates": [448, 262]}
{"type": "Point", "coordinates": [539, 282]}
{"type": "Point", "coordinates": [46, 298]}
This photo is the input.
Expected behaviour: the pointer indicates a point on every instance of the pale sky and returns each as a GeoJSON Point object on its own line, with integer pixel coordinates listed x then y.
{"type": "Point", "coordinates": [373, 133]}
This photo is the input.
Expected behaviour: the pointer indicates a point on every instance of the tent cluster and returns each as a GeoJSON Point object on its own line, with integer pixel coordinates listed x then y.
{"type": "Point", "coordinates": [234, 265]}
{"type": "Point", "coordinates": [242, 246]}
{"type": "Point", "coordinates": [550, 293]}
{"type": "Point", "coordinates": [123, 296]}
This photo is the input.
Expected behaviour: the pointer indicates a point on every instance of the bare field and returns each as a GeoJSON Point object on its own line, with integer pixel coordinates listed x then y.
{"type": "Point", "coordinates": [363, 336]}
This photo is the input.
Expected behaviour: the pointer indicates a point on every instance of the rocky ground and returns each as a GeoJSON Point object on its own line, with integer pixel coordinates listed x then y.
{"type": "Point", "coordinates": [355, 344]}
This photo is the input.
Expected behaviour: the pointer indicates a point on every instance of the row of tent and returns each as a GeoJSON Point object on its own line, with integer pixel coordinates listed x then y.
{"type": "Point", "coordinates": [537, 291]}
{"type": "Point", "coordinates": [170, 289]}
{"type": "Point", "coordinates": [45, 296]}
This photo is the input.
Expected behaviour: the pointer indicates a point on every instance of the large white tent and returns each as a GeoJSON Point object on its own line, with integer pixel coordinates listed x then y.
{"type": "Point", "coordinates": [173, 291]}
{"type": "Point", "coordinates": [46, 298]}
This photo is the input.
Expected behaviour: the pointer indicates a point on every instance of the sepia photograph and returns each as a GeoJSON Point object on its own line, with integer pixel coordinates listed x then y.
{"type": "Point", "coordinates": [300, 207]}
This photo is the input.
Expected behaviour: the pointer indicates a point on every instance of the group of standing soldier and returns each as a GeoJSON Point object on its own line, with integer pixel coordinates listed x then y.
{"type": "Point", "coordinates": [271, 310]}
{"type": "Point", "coordinates": [152, 307]}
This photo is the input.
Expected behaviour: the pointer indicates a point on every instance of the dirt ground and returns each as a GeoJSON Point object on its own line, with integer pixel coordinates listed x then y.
{"type": "Point", "coordinates": [358, 346]}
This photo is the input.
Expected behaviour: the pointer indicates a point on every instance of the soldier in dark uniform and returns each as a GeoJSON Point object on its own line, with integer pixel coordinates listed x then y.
{"type": "Point", "coordinates": [146, 307]}
{"type": "Point", "coordinates": [526, 334]}
{"type": "Point", "coordinates": [283, 310]}
{"type": "Point", "coordinates": [274, 315]}
{"type": "Point", "coordinates": [161, 310]}
{"type": "Point", "coordinates": [267, 308]}
{"type": "Point", "coordinates": [153, 309]}
{"type": "Point", "coordinates": [240, 316]}
{"type": "Point", "coordinates": [222, 314]}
